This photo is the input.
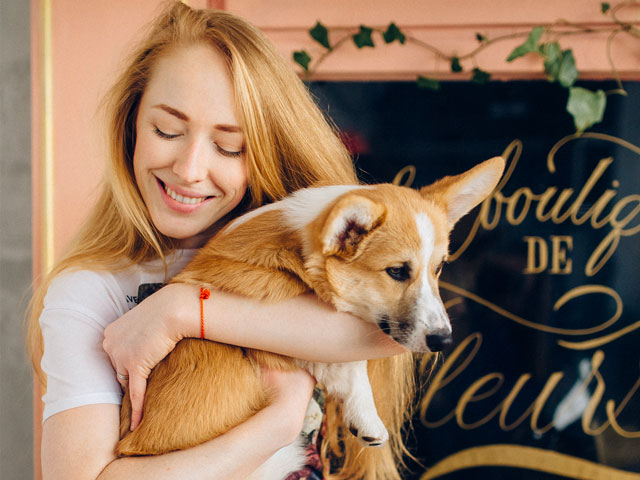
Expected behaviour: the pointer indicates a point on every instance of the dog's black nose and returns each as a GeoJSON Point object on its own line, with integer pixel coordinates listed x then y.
{"type": "Point", "coordinates": [437, 342]}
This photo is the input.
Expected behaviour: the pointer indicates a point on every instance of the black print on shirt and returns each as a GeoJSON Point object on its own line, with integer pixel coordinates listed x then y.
{"type": "Point", "coordinates": [144, 290]}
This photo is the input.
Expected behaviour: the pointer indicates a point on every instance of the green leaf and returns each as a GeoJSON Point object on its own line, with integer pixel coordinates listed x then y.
{"type": "Point", "coordinates": [586, 107]}
{"type": "Point", "coordinates": [428, 83]}
{"type": "Point", "coordinates": [481, 38]}
{"type": "Point", "coordinates": [480, 76]}
{"type": "Point", "coordinates": [455, 65]}
{"type": "Point", "coordinates": [321, 35]}
{"type": "Point", "coordinates": [568, 73]}
{"type": "Point", "coordinates": [363, 37]}
{"type": "Point", "coordinates": [529, 46]}
{"type": "Point", "coordinates": [560, 65]}
{"type": "Point", "coordinates": [393, 33]}
{"type": "Point", "coordinates": [605, 6]}
{"type": "Point", "coordinates": [302, 58]}
{"type": "Point", "coordinates": [552, 60]}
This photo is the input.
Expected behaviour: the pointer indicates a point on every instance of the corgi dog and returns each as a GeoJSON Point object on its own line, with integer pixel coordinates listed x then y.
{"type": "Point", "coordinates": [375, 251]}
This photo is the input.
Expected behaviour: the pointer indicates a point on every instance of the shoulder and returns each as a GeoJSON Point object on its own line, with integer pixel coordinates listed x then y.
{"type": "Point", "coordinates": [95, 294]}
{"type": "Point", "coordinates": [71, 283]}
{"type": "Point", "coordinates": [104, 295]}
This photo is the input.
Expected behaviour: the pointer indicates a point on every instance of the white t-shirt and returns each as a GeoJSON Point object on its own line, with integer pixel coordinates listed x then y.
{"type": "Point", "coordinates": [77, 308]}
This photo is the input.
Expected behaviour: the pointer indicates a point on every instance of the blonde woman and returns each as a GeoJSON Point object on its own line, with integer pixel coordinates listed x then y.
{"type": "Point", "coordinates": [206, 122]}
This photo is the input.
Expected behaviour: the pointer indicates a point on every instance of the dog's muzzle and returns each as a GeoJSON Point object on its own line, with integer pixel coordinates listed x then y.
{"type": "Point", "coordinates": [415, 339]}
{"type": "Point", "coordinates": [438, 341]}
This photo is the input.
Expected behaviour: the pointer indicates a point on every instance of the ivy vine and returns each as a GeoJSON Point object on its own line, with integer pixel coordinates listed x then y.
{"type": "Point", "coordinates": [585, 106]}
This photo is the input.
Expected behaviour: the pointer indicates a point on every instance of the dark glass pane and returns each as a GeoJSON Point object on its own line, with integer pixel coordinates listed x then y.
{"type": "Point", "coordinates": [531, 293]}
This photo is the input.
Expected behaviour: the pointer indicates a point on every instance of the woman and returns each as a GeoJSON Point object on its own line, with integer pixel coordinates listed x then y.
{"type": "Point", "coordinates": [206, 122]}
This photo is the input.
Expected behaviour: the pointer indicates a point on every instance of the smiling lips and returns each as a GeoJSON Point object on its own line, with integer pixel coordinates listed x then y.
{"type": "Point", "coordinates": [183, 199]}
{"type": "Point", "coordinates": [180, 198]}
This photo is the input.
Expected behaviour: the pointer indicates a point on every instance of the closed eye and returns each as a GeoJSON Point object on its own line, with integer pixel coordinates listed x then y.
{"type": "Point", "coordinates": [226, 153]}
{"type": "Point", "coordinates": [399, 274]}
{"type": "Point", "coordinates": [229, 153]}
{"type": "Point", "coordinates": [166, 136]}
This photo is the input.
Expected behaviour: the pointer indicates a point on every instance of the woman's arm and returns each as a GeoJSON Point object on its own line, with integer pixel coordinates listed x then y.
{"type": "Point", "coordinates": [79, 443]}
{"type": "Point", "coordinates": [302, 327]}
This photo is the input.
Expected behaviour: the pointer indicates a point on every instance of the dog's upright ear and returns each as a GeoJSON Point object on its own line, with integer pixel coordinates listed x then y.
{"type": "Point", "coordinates": [349, 223]}
{"type": "Point", "coordinates": [460, 193]}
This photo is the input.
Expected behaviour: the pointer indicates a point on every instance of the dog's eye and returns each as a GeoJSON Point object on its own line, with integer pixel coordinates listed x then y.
{"type": "Point", "coordinates": [439, 268]}
{"type": "Point", "coordinates": [400, 274]}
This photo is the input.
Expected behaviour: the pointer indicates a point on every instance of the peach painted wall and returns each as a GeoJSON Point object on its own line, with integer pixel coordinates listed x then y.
{"type": "Point", "coordinates": [86, 45]}
{"type": "Point", "coordinates": [88, 40]}
{"type": "Point", "coordinates": [451, 26]}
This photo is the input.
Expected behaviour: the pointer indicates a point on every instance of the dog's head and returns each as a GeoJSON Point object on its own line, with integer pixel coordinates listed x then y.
{"type": "Point", "coordinates": [383, 248]}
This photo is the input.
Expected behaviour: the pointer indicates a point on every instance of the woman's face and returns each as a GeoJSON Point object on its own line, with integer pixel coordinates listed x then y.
{"type": "Point", "coordinates": [189, 158]}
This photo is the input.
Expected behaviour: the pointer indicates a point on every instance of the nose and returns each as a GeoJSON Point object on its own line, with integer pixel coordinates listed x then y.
{"type": "Point", "coordinates": [438, 341]}
{"type": "Point", "coordinates": [190, 165]}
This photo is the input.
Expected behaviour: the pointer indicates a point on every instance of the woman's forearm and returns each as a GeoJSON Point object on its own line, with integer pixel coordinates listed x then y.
{"type": "Point", "coordinates": [79, 443]}
{"type": "Point", "coordinates": [301, 327]}
{"type": "Point", "coordinates": [224, 457]}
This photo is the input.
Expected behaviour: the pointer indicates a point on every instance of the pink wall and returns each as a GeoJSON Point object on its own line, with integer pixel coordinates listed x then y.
{"type": "Point", "coordinates": [89, 40]}
{"type": "Point", "coordinates": [451, 26]}
{"type": "Point", "coordinates": [88, 43]}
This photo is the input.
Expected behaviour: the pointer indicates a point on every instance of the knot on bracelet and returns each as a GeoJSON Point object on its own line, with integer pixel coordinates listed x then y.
{"type": "Point", "coordinates": [204, 293]}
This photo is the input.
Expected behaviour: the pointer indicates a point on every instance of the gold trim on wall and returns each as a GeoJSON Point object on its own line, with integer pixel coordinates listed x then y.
{"type": "Point", "coordinates": [47, 180]}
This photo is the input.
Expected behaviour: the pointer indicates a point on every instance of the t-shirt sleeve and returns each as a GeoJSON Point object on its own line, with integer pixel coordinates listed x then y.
{"type": "Point", "coordinates": [77, 308]}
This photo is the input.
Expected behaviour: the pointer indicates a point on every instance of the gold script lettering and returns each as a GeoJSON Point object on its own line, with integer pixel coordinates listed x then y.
{"type": "Point", "coordinates": [537, 249]}
{"type": "Point", "coordinates": [572, 294]}
{"type": "Point", "coordinates": [530, 458]}
{"type": "Point", "coordinates": [440, 379]}
{"type": "Point", "coordinates": [621, 217]}
{"type": "Point", "coordinates": [492, 383]}
{"type": "Point", "coordinates": [560, 263]}
{"type": "Point", "coordinates": [410, 172]}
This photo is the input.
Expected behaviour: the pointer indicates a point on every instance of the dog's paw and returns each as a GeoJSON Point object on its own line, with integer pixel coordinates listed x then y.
{"type": "Point", "coordinates": [372, 436]}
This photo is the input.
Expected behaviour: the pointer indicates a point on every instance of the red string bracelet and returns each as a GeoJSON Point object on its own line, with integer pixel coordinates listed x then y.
{"type": "Point", "coordinates": [204, 295]}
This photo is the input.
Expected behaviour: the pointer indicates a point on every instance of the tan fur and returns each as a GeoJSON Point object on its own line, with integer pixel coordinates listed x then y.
{"type": "Point", "coordinates": [204, 388]}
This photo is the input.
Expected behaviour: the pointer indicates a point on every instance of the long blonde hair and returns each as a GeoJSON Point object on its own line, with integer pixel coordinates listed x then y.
{"type": "Point", "coordinates": [289, 145]}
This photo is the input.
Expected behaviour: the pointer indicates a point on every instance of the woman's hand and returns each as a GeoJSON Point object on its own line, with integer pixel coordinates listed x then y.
{"type": "Point", "coordinates": [142, 337]}
{"type": "Point", "coordinates": [290, 393]}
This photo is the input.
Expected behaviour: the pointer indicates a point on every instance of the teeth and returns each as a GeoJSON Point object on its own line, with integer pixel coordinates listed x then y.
{"type": "Point", "coordinates": [181, 199]}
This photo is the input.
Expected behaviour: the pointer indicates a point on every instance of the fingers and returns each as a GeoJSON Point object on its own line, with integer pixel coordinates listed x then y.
{"type": "Point", "coordinates": [137, 388]}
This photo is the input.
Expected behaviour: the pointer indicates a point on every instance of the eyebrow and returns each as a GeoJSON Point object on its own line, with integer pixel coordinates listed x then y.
{"type": "Point", "coordinates": [183, 116]}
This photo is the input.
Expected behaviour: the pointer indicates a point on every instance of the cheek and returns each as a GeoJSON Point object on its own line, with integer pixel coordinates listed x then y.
{"type": "Point", "coordinates": [142, 158]}
{"type": "Point", "coordinates": [237, 178]}
{"type": "Point", "coordinates": [138, 168]}
{"type": "Point", "coordinates": [243, 176]}
{"type": "Point", "coordinates": [360, 287]}
{"type": "Point", "coordinates": [152, 152]}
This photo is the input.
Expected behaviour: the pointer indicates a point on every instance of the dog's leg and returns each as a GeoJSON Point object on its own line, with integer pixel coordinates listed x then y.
{"type": "Point", "coordinates": [350, 383]}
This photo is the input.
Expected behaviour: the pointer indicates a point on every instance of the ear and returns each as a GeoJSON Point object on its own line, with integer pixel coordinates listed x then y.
{"type": "Point", "coordinates": [462, 192]}
{"type": "Point", "coordinates": [351, 220]}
